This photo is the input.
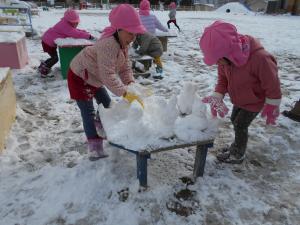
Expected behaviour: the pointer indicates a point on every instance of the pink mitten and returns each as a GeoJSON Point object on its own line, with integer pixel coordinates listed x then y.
{"type": "Point", "coordinates": [217, 105]}
{"type": "Point", "coordinates": [271, 112]}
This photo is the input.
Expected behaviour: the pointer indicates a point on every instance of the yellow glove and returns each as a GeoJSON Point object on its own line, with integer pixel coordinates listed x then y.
{"type": "Point", "coordinates": [130, 97]}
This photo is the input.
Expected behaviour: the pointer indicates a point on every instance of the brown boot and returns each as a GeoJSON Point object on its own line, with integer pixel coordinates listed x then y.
{"type": "Point", "coordinates": [294, 113]}
{"type": "Point", "coordinates": [227, 156]}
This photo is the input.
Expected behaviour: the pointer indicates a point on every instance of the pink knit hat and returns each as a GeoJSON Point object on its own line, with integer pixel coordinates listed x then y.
{"type": "Point", "coordinates": [221, 39]}
{"type": "Point", "coordinates": [144, 8]}
{"type": "Point", "coordinates": [71, 16]}
{"type": "Point", "coordinates": [124, 17]}
{"type": "Point", "coordinates": [172, 5]}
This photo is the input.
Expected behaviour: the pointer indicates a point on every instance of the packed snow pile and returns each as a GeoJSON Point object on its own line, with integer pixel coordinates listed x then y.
{"type": "Point", "coordinates": [72, 42]}
{"type": "Point", "coordinates": [234, 7]}
{"type": "Point", "coordinates": [181, 119]}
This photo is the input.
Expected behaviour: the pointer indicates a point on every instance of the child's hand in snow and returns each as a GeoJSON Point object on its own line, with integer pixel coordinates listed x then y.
{"type": "Point", "coordinates": [130, 97]}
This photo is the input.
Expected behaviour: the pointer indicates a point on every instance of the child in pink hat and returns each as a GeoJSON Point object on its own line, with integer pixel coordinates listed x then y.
{"type": "Point", "coordinates": [150, 21]}
{"type": "Point", "coordinates": [249, 74]}
{"type": "Point", "coordinates": [104, 65]}
{"type": "Point", "coordinates": [66, 27]}
{"type": "Point", "coordinates": [172, 15]}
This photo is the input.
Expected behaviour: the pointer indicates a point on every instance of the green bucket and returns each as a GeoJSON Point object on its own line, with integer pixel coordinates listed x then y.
{"type": "Point", "coordinates": [66, 54]}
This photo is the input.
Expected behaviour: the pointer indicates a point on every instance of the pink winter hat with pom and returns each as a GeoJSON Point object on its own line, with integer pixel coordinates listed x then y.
{"type": "Point", "coordinates": [71, 16]}
{"type": "Point", "coordinates": [172, 5]}
{"type": "Point", "coordinates": [221, 39]}
{"type": "Point", "coordinates": [126, 17]}
{"type": "Point", "coordinates": [145, 5]}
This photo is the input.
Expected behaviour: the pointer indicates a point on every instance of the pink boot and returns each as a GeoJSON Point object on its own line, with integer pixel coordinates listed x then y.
{"type": "Point", "coordinates": [44, 70]}
{"type": "Point", "coordinates": [96, 150]}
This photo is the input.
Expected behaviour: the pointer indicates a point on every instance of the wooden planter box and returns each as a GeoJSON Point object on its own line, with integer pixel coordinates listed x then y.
{"type": "Point", "coordinates": [7, 105]}
{"type": "Point", "coordinates": [13, 50]}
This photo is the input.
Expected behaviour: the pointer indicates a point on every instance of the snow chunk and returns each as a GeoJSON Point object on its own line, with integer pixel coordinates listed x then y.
{"type": "Point", "coordinates": [193, 126]}
{"type": "Point", "coordinates": [72, 42]}
{"type": "Point", "coordinates": [186, 98]}
{"type": "Point", "coordinates": [234, 7]}
{"type": "Point", "coordinates": [159, 123]}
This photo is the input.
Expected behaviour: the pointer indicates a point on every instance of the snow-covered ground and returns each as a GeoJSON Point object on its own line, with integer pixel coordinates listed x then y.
{"type": "Point", "coordinates": [46, 177]}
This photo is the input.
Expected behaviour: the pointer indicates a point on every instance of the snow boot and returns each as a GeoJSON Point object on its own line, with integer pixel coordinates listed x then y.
{"type": "Point", "coordinates": [159, 72]}
{"type": "Point", "coordinates": [44, 70]}
{"type": "Point", "coordinates": [224, 155]}
{"type": "Point", "coordinates": [294, 113]}
{"type": "Point", "coordinates": [96, 150]}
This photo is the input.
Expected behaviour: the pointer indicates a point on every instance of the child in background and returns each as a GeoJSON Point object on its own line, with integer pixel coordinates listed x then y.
{"type": "Point", "coordinates": [66, 27]}
{"type": "Point", "coordinates": [150, 45]}
{"type": "Point", "coordinates": [248, 73]}
{"type": "Point", "coordinates": [150, 22]}
{"type": "Point", "coordinates": [106, 63]}
{"type": "Point", "coordinates": [172, 15]}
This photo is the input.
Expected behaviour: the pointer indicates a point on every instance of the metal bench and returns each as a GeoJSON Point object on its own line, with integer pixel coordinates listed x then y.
{"type": "Point", "coordinates": [146, 61]}
{"type": "Point", "coordinates": [143, 155]}
{"type": "Point", "coordinates": [164, 39]}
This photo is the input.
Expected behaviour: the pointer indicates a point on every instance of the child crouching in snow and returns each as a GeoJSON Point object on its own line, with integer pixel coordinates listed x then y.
{"type": "Point", "coordinates": [104, 64]}
{"type": "Point", "coordinates": [248, 73]}
{"type": "Point", "coordinates": [66, 27]}
{"type": "Point", "coordinates": [150, 45]}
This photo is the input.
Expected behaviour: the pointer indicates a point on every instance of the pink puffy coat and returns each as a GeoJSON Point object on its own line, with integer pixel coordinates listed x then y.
{"type": "Point", "coordinates": [104, 63]}
{"type": "Point", "coordinates": [63, 29]}
{"type": "Point", "coordinates": [251, 85]}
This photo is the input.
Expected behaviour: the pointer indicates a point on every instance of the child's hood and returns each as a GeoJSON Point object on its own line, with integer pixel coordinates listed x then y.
{"type": "Point", "coordinates": [62, 25]}
{"type": "Point", "coordinates": [255, 45]}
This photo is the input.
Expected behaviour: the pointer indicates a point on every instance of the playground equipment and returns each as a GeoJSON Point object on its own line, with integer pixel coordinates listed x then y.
{"type": "Point", "coordinates": [17, 16]}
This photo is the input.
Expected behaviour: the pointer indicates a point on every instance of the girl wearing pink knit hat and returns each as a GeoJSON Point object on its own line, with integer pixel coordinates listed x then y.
{"type": "Point", "coordinates": [104, 65]}
{"type": "Point", "coordinates": [66, 27]}
{"type": "Point", "coordinates": [249, 74]}
{"type": "Point", "coordinates": [172, 15]}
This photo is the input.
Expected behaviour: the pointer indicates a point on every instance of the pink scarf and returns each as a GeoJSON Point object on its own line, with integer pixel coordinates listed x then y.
{"type": "Point", "coordinates": [108, 32]}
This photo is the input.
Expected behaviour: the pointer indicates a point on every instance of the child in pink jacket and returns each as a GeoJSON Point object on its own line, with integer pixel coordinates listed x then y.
{"type": "Point", "coordinates": [106, 63]}
{"type": "Point", "coordinates": [249, 74]}
{"type": "Point", "coordinates": [66, 27]}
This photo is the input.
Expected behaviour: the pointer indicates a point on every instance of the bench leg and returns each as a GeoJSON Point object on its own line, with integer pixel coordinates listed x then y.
{"type": "Point", "coordinates": [164, 43]}
{"type": "Point", "coordinates": [200, 160]}
{"type": "Point", "coordinates": [141, 160]}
